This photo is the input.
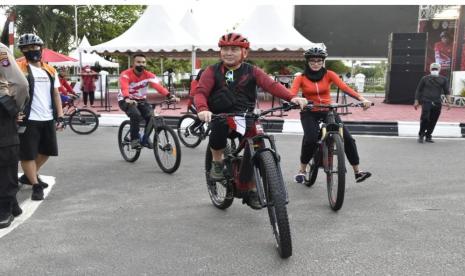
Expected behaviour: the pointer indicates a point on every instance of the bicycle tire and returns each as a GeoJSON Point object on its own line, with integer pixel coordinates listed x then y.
{"type": "Point", "coordinates": [187, 138]}
{"type": "Point", "coordinates": [83, 121]}
{"type": "Point", "coordinates": [164, 148]}
{"type": "Point", "coordinates": [124, 143]}
{"type": "Point", "coordinates": [276, 202]}
{"type": "Point", "coordinates": [334, 147]}
{"type": "Point", "coordinates": [224, 200]}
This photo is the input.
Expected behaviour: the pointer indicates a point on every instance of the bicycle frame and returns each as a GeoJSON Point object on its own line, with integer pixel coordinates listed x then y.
{"type": "Point", "coordinates": [255, 141]}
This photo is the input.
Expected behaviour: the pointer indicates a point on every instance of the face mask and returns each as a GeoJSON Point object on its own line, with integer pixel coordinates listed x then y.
{"type": "Point", "coordinates": [435, 73]}
{"type": "Point", "coordinates": [139, 68]}
{"type": "Point", "coordinates": [33, 56]}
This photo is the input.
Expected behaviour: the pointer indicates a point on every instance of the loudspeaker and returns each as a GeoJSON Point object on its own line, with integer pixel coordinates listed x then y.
{"type": "Point", "coordinates": [407, 52]}
{"type": "Point", "coordinates": [401, 86]}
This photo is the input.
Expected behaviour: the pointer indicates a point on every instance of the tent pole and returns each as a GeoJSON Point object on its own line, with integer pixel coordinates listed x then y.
{"type": "Point", "coordinates": [161, 65]}
{"type": "Point", "coordinates": [193, 58]}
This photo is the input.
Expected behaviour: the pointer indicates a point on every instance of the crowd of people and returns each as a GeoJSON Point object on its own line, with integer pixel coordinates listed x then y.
{"type": "Point", "coordinates": [31, 108]}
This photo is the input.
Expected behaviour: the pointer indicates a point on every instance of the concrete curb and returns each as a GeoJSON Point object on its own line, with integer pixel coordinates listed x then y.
{"type": "Point", "coordinates": [400, 128]}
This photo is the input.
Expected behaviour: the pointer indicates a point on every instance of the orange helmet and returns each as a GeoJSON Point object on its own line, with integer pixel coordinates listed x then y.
{"type": "Point", "coordinates": [234, 39]}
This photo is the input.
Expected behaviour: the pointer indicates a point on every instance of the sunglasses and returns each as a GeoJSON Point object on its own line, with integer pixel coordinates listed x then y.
{"type": "Point", "coordinates": [229, 76]}
{"type": "Point", "coordinates": [316, 61]}
{"type": "Point", "coordinates": [434, 69]}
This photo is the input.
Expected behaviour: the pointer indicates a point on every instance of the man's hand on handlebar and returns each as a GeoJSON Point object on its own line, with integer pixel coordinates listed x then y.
{"type": "Point", "coordinates": [205, 116]}
{"type": "Point", "coordinates": [302, 102]}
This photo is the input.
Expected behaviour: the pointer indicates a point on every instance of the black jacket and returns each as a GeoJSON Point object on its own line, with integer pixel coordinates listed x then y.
{"type": "Point", "coordinates": [8, 132]}
{"type": "Point", "coordinates": [430, 88]}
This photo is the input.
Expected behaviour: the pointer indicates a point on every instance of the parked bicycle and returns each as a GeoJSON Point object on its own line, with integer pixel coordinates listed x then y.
{"type": "Point", "coordinates": [191, 131]}
{"type": "Point", "coordinates": [166, 147]}
{"type": "Point", "coordinates": [329, 155]}
{"type": "Point", "coordinates": [253, 162]}
{"type": "Point", "coordinates": [80, 120]}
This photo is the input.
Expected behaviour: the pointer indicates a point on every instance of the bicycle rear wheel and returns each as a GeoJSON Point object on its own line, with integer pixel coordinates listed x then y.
{"type": "Point", "coordinates": [220, 192]}
{"type": "Point", "coordinates": [83, 121]}
{"type": "Point", "coordinates": [167, 149]}
{"type": "Point", "coordinates": [276, 202]}
{"type": "Point", "coordinates": [124, 143]}
{"type": "Point", "coordinates": [188, 138]}
{"type": "Point", "coordinates": [335, 170]}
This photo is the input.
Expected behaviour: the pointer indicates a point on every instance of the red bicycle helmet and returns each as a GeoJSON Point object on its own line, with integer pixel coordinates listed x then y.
{"type": "Point", "coordinates": [234, 39]}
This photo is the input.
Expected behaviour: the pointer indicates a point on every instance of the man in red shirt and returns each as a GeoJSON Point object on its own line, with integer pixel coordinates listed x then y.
{"type": "Point", "coordinates": [232, 76]}
{"type": "Point", "coordinates": [443, 53]}
{"type": "Point", "coordinates": [132, 98]}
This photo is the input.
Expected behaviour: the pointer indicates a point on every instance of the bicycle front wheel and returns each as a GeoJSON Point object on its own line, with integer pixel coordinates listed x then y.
{"type": "Point", "coordinates": [124, 143]}
{"type": "Point", "coordinates": [83, 121]}
{"type": "Point", "coordinates": [189, 139]}
{"type": "Point", "coordinates": [220, 192]}
{"type": "Point", "coordinates": [167, 149]}
{"type": "Point", "coordinates": [335, 169]}
{"type": "Point", "coordinates": [276, 202]}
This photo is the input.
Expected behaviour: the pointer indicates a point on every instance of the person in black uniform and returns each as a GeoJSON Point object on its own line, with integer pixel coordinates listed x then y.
{"type": "Point", "coordinates": [428, 94]}
{"type": "Point", "coordinates": [13, 96]}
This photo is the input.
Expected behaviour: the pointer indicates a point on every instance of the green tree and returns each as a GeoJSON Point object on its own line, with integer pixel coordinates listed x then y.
{"type": "Point", "coordinates": [56, 26]}
{"type": "Point", "coordinates": [53, 24]}
{"type": "Point", "coordinates": [103, 23]}
{"type": "Point", "coordinates": [336, 66]}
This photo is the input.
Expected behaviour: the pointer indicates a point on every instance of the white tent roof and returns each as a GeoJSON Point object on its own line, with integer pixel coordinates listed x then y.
{"type": "Point", "coordinates": [91, 58]}
{"type": "Point", "coordinates": [86, 58]}
{"type": "Point", "coordinates": [267, 31]}
{"type": "Point", "coordinates": [208, 37]}
{"type": "Point", "coordinates": [152, 32]}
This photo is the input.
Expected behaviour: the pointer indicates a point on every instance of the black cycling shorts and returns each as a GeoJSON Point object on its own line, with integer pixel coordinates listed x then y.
{"type": "Point", "coordinates": [39, 138]}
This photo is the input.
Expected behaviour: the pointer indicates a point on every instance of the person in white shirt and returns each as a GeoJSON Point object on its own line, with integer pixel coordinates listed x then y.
{"type": "Point", "coordinates": [43, 114]}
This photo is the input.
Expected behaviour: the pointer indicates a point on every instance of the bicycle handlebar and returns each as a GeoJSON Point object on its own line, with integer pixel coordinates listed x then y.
{"type": "Point", "coordinates": [286, 106]}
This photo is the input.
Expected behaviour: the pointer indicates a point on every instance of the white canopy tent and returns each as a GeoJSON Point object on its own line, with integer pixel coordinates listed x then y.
{"type": "Point", "coordinates": [154, 31]}
{"type": "Point", "coordinates": [87, 59]}
{"type": "Point", "coordinates": [266, 31]}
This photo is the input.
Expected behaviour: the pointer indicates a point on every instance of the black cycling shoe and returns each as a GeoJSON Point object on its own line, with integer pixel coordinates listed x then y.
{"type": "Point", "coordinates": [37, 192]}
{"type": "Point", "coordinates": [429, 140]}
{"type": "Point", "coordinates": [361, 176]}
{"type": "Point", "coordinates": [252, 200]}
{"type": "Point", "coordinates": [24, 180]}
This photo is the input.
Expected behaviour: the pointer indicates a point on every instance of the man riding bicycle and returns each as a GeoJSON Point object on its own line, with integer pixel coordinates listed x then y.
{"type": "Point", "coordinates": [230, 86]}
{"type": "Point", "coordinates": [132, 98]}
{"type": "Point", "coordinates": [315, 84]}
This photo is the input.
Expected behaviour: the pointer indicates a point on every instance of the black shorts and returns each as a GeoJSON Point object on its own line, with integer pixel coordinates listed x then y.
{"type": "Point", "coordinates": [39, 138]}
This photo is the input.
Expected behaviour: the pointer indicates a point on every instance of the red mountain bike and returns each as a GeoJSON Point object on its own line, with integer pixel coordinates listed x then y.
{"type": "Point", "coordinates": [253, 162]}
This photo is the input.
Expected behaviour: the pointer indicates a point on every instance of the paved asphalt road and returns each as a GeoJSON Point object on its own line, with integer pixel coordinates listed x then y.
{"type": "Point", "coordinates": [105, 216]}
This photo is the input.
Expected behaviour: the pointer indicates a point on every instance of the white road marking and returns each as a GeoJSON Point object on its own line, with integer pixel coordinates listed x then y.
{"type": "Point", "coordinates": [29, 206]}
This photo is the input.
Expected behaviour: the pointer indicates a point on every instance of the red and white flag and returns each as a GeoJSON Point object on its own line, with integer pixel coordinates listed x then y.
{"type": "Point", "coordinates": [237, 123]}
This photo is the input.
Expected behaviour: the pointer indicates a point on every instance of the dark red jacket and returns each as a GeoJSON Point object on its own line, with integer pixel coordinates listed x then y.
{"type": "Point", "coordinates": [208, 83]}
